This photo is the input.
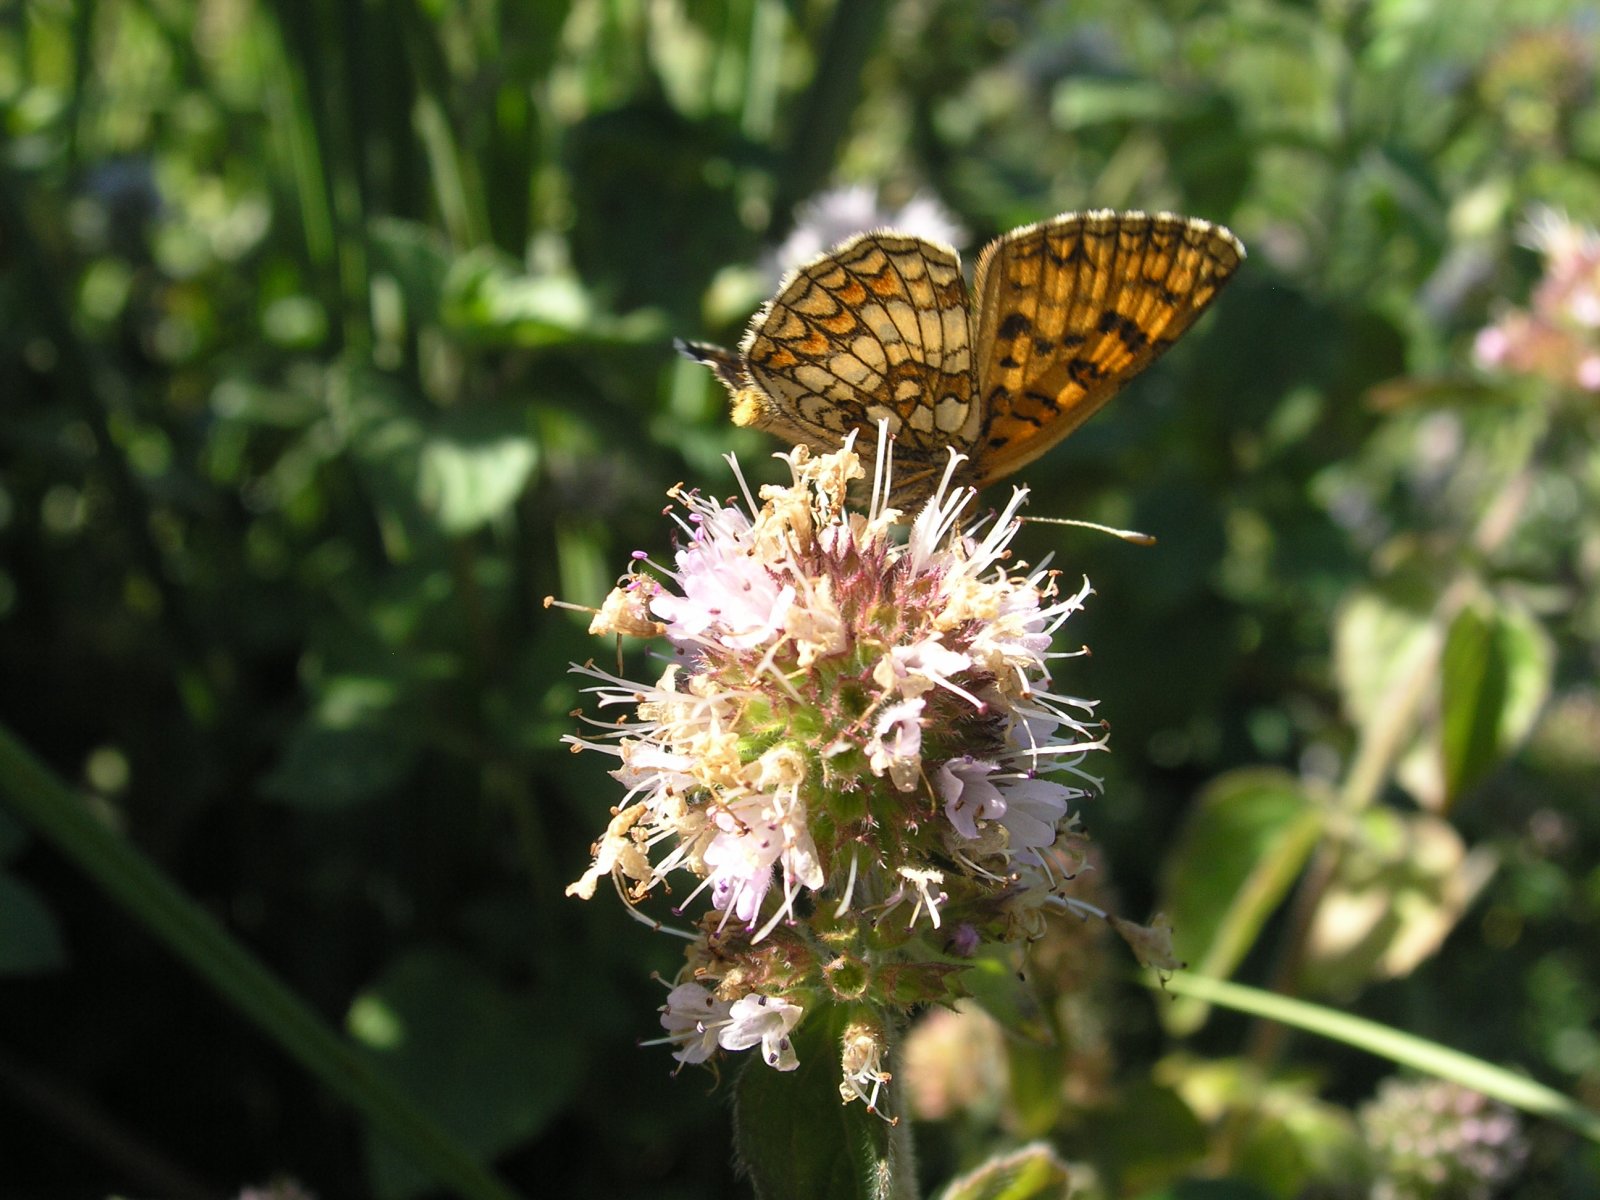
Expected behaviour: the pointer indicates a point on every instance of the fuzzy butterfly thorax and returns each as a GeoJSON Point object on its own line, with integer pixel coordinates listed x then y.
{"type": "Point", "coordinates": [883, 329]}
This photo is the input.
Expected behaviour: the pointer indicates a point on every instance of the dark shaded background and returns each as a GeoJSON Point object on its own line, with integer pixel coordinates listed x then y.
{"type": "Point", "coordinates": [335, 335]}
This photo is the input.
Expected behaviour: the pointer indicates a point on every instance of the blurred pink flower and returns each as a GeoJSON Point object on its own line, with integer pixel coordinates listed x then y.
{"type": "Point", "coordinates": [1557, 338]}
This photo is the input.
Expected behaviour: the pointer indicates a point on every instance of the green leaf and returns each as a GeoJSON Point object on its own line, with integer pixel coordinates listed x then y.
{"type": "Point", "coordinates": [1031, 1173]}
{"type": "Point", "coordinates": [484, 1062]}
{"type": "Point", "coordinates": [1473, 688]}
{"type": "Point", "coordinates": [489, 299]}
{"type": "Point", "coordinates": [1295, 1143]}
{"type": "Point", "coordinates": [418, 258]}
{"type": "Point", "coordinates": [1209, 1189]}
{"type": "Point", "coordinates": [30, 939]}
{"type": "Point", "coordinates": [1379, 638]}
{"type": "Point", "coordinates": [243, 401]}
{"type": "Point", "coordinates": [1495, 676]}
{"type": "Point", "coordinates": [1403, 883]}
{"type": "Point", "coordinates": [1036, 1094]}
{"type": "Point", "coordinates": [1001, 986]}
{"type": "Point", "coordinates": [13, 836]}
{"type": "Point", "coordinates": [474, 467]}
{"type": "Point", "coordinates": [1244, 844]}
{"type": "Point", "coordinates": [328, 767]}
{"type": "Point", "coordinates": [351, 748]}
{"type": "Point", "coordinates": [1086, 101]}
{"type": "Point", "coordinates": [1148, 1134]}
{"type": "Point", "coordinates": [1286, 1139]}
{"type": "Point", "coordinates": [384, 435]}
{"type": "Point", "coordinates": [486, 294]}
{"type": "Point", "coordinates": [190, 932]}
{"type": "Point", "coordinates": [794, 1138]}
{"type": "Point", "coordinates": [606, 155]}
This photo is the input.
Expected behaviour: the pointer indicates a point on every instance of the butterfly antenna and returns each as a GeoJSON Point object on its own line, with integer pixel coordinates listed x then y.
{"type": "Point", "coordinates": [1126, 535]}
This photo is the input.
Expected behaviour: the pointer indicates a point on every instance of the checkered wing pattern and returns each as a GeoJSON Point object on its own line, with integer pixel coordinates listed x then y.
{"type": "Point", "coordinates": [876, 330]}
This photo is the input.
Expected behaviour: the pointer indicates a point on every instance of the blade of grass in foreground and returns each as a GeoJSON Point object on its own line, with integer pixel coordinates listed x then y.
{"type": "Point", "coordinates": [62, 818]}
{"type": "Point", "coordinates": [1406, 1049]}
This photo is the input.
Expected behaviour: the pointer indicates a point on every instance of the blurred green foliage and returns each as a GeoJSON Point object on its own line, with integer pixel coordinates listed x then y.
{"type": "Point", "coordinates": [336, 336]}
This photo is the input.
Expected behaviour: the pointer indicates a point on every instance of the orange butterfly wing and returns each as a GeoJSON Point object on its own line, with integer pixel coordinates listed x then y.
{"type": "Point", "coordinates": [1067, 311]}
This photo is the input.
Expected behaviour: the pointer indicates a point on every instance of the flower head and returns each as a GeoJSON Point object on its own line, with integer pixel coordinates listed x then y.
{"type": "Point", "coordinates": [1433, 1138]}
{"type": "Point", "coordinates": [847, 753]}
{"type": "Point", "coordinates": [1558, 337]}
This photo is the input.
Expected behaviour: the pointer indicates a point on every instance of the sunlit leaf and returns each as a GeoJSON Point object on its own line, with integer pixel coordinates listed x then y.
{"type": "Point", "coordinates": [490, 300]}
{"type": "Point", "coordinates": [1245, 842]}
{"type": "Point", "coordinates": [1380, 638]}
{"type": "Point", "coordinates": [1403, 883]}
{"type": "Point", "coordinates": [486, 296]}
{"type": "Point", "coordinates": [1092, 100]}
{"type": "Point", "coordinates": [474, 466]}
{"type": "Point", "coordinates": [1386, 646]}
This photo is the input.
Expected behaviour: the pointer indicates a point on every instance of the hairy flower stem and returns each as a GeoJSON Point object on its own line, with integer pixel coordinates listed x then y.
{"type": "Point", "coordinates": [902, 1144]}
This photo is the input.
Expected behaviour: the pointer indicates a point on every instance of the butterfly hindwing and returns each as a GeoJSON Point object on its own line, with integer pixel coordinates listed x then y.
{"type": "Point", "coordinates": [877, 329]}
{"type": "Point", "coordinates": [1070, 309]}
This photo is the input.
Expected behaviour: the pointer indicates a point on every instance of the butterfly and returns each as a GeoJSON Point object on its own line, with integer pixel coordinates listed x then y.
{"type": "Point", "coordinates": [883, 328]}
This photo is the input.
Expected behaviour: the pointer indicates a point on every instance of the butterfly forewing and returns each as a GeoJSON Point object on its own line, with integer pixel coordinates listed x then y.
{"type": "Point", "coordinates": [1069, 310]}
{"type": "Point", "coordinates": [876, 330]}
